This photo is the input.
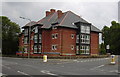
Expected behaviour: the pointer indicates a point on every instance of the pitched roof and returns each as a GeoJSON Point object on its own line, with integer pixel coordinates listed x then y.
{"type": "Point", "coordinates": [30, 23]}
{"type": "Point", "coordinates": [66, 20]}
{"type": "Point", "coordinates": [95, 29]}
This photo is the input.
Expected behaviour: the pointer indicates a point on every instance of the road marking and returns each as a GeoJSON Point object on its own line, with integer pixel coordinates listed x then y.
{"type": "Point", "coordinates": [6, 67]}
{"type": "Point", "coordinates": [22, 73]}
{"type": "Point", "coordinates": [97, 67]}
{"type": "Point", "coordinates": [48, 72]}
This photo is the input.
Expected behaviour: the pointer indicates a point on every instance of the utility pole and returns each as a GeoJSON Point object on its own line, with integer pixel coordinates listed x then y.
{"type": "Point", "coordinates": [29, 35]}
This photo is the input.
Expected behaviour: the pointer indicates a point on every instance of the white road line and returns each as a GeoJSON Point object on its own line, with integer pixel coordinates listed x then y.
{"type": "Point", "coordinates": [97, 67]}
{"type": "Point", "coordinates": [6, 67]}
{"type": "Point", "coordinates": [48, 72]}
{"type": "Point", "coordinates": [22, 73]}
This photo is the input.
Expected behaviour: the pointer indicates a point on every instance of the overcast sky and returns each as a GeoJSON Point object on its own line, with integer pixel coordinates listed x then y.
{"type": "Point", "coordinates": [97, 13]}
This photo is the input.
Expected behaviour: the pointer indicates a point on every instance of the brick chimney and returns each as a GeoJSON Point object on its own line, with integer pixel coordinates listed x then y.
{"type": "Point", "coordinates": [59, 12]}
{"type": "Point", "coordinates": [52, 11]}
{"type": "Point", "coordinates": [47, 13]}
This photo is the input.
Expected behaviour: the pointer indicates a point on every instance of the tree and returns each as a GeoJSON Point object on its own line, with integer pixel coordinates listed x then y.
{"type": "Point", "coordinates": [10, 32]}
{"type": "Point", "coordinates": [111, 36]}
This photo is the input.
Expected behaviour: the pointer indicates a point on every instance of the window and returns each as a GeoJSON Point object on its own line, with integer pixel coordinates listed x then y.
{"type": "Point", "coordinates": [54, 27]}
{"type": "Point", "coordinates": [72, 47]}
{"type": "Point", "coordinates": [25, 50]}
{"type": "Point", "coordinates": [77, 49]}
{"type": "Point", "coordinates": [35, 48]}
{"type": "Point", "coordinates": [82, 29]}
{"type": "Point", "coordinates": [26, 31]}
{"type": "Point", "coordinates": [40, 38]}
{"type": "Point", "coordinates": [85, 29]}
{"type": "Point", "coordinates": [36, 29]}
{"type": "Point", "coordinates": [54, 47]}
{"type": "Point", "coordinates": [35, 38]}
{"type": "Point", "coordinates": [77, 39]}
{"type": "Point", "coordinates": [40, 48]}
{"type": "Point", "coordinates": [85, 49]}
{"type": "Point", "coordinates": [85, 39]}
{"type": "Point", "coordinates": [25, 40]}
{"type": "Point", "coordinates": [72, 36]}
{"type": "Point", "coordinates": [54, 36]}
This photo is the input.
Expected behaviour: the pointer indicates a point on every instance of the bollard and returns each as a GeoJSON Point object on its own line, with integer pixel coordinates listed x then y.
{"type": "Point", "coordinates": [45, 58]}
{"type": "Point", "coordinates": [112, 59]}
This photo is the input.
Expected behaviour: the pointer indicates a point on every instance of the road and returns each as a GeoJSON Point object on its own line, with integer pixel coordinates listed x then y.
{"type": "Point", "coordinates": [58, 67]}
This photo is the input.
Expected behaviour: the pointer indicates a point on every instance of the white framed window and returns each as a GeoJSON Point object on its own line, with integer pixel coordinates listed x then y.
{"type": "Point", "coordinates": [35, 38]}
{"type": "Point", "coordinates": [35, 48]}
{"type": "Point", "coordinates": [36, 29]}
{"type": "Point", "coordinates": [53, 36]}
{"type": "Point", "coordinates": [25, 50]}
{"type": "Point", "coordinates": [72, 36]}
{"type": "Point", "coordinates": [26, 31]}
{"type": "Point", "coordinates": [25, 40]}
{"type": "Point", "coordinates": [54, 47]}
{"type": "Point", "coordinates": [85, 39]}
{"type": "Point", "coordinates": [56, 35]}
{"type": "Point", "coordinates": [77, 48]}
{"type": "Point", "coordinates": [85, 29]}
{"type": "Point", "coordinates": [82, 29]}
{"type": "Point", "coordinates": [72, 47]}
{"type": "Point", "coordinates": [84, 49]}
{"type": "Point", "coordinates": [77, 39]}
{"type": "Point", "coordinates": [40, 38]}
{"type": "Point", "coordinates": [40, 48]}
{"type": "Point", "coordinates": [54, 27]}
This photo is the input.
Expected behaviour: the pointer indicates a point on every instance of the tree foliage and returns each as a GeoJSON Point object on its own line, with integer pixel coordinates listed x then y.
{"type": "Point", "coordinates": [10, 32]}
{"type": "Point", "coordinates": [111, 36]}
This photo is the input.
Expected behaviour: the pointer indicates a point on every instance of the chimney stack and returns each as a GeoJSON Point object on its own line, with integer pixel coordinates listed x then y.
{"type": "Point", "coordinates": [47, 13]}
{"type": "Point", "coordinates": [52, 11]}
{"type": "Point", "coordinates": [59, 12]}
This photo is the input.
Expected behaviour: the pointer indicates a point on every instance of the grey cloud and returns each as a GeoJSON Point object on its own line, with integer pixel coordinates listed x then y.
{"type": "Point", "coordinates": [98, 13]}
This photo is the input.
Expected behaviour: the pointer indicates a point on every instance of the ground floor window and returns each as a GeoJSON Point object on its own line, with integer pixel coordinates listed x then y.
{"type": "Point", "coordinates": [77, 49]}
{"type": "Point", "coordinates": [35, 48]}
{"type": "Point", "coordinates": [84, 49]}
{"type": "Point", "coordinates": [54, 47]}
{"type": "Point", "coordinates": [40, 49]}
{"type": "Point", "coordinates": [25, 50]}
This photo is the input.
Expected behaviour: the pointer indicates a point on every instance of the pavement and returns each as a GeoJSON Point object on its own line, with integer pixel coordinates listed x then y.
{"type": "Point", "coordinates": [58, 67]}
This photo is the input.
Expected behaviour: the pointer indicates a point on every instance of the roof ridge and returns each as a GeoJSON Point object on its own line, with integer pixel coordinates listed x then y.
{"type": "Point", "coordinates": [64, 18]}
{"type": "Point", "coordinates": [51, 16]}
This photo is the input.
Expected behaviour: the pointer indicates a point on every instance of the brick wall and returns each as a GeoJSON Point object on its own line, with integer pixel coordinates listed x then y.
{"type": "Point", "coordinates": [94, 43]}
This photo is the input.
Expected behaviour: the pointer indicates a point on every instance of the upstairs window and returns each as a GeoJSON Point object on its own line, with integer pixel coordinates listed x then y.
{"type": "Point", "coordinates": [72, 36]}
{"type": "Point", "coordinates": [85, 29]}
{"type": "Point", "coordinates": [36, 29]}
{"type": "Point", "coordinates": [26, 31]}
{"type": "Point", "coordinates": [55, 36]}
{"type": "Point", "coordinates": [25, 40]}
{"type": "Point", "coordinates": [77, 39]}
{"type": "Point", "coordinates": [54, 27]}
{"type": "Point", "coordinates": [35, 38]}
{"type": "Point", "coordinates": [85, 39]}
{"type": "Point", "coordinates": [40, 38]}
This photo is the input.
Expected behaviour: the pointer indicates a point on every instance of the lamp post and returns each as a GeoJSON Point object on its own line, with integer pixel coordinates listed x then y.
{"type": "Point", "coordinates": [29, 35]}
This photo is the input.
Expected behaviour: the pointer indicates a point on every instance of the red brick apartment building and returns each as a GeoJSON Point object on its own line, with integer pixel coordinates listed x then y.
{"type": "Point", "coordinates": [59, 34]}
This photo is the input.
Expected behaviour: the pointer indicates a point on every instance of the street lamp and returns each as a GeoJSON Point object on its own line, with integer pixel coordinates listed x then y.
{"type": "Point", "coordinates": [29, 35]}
